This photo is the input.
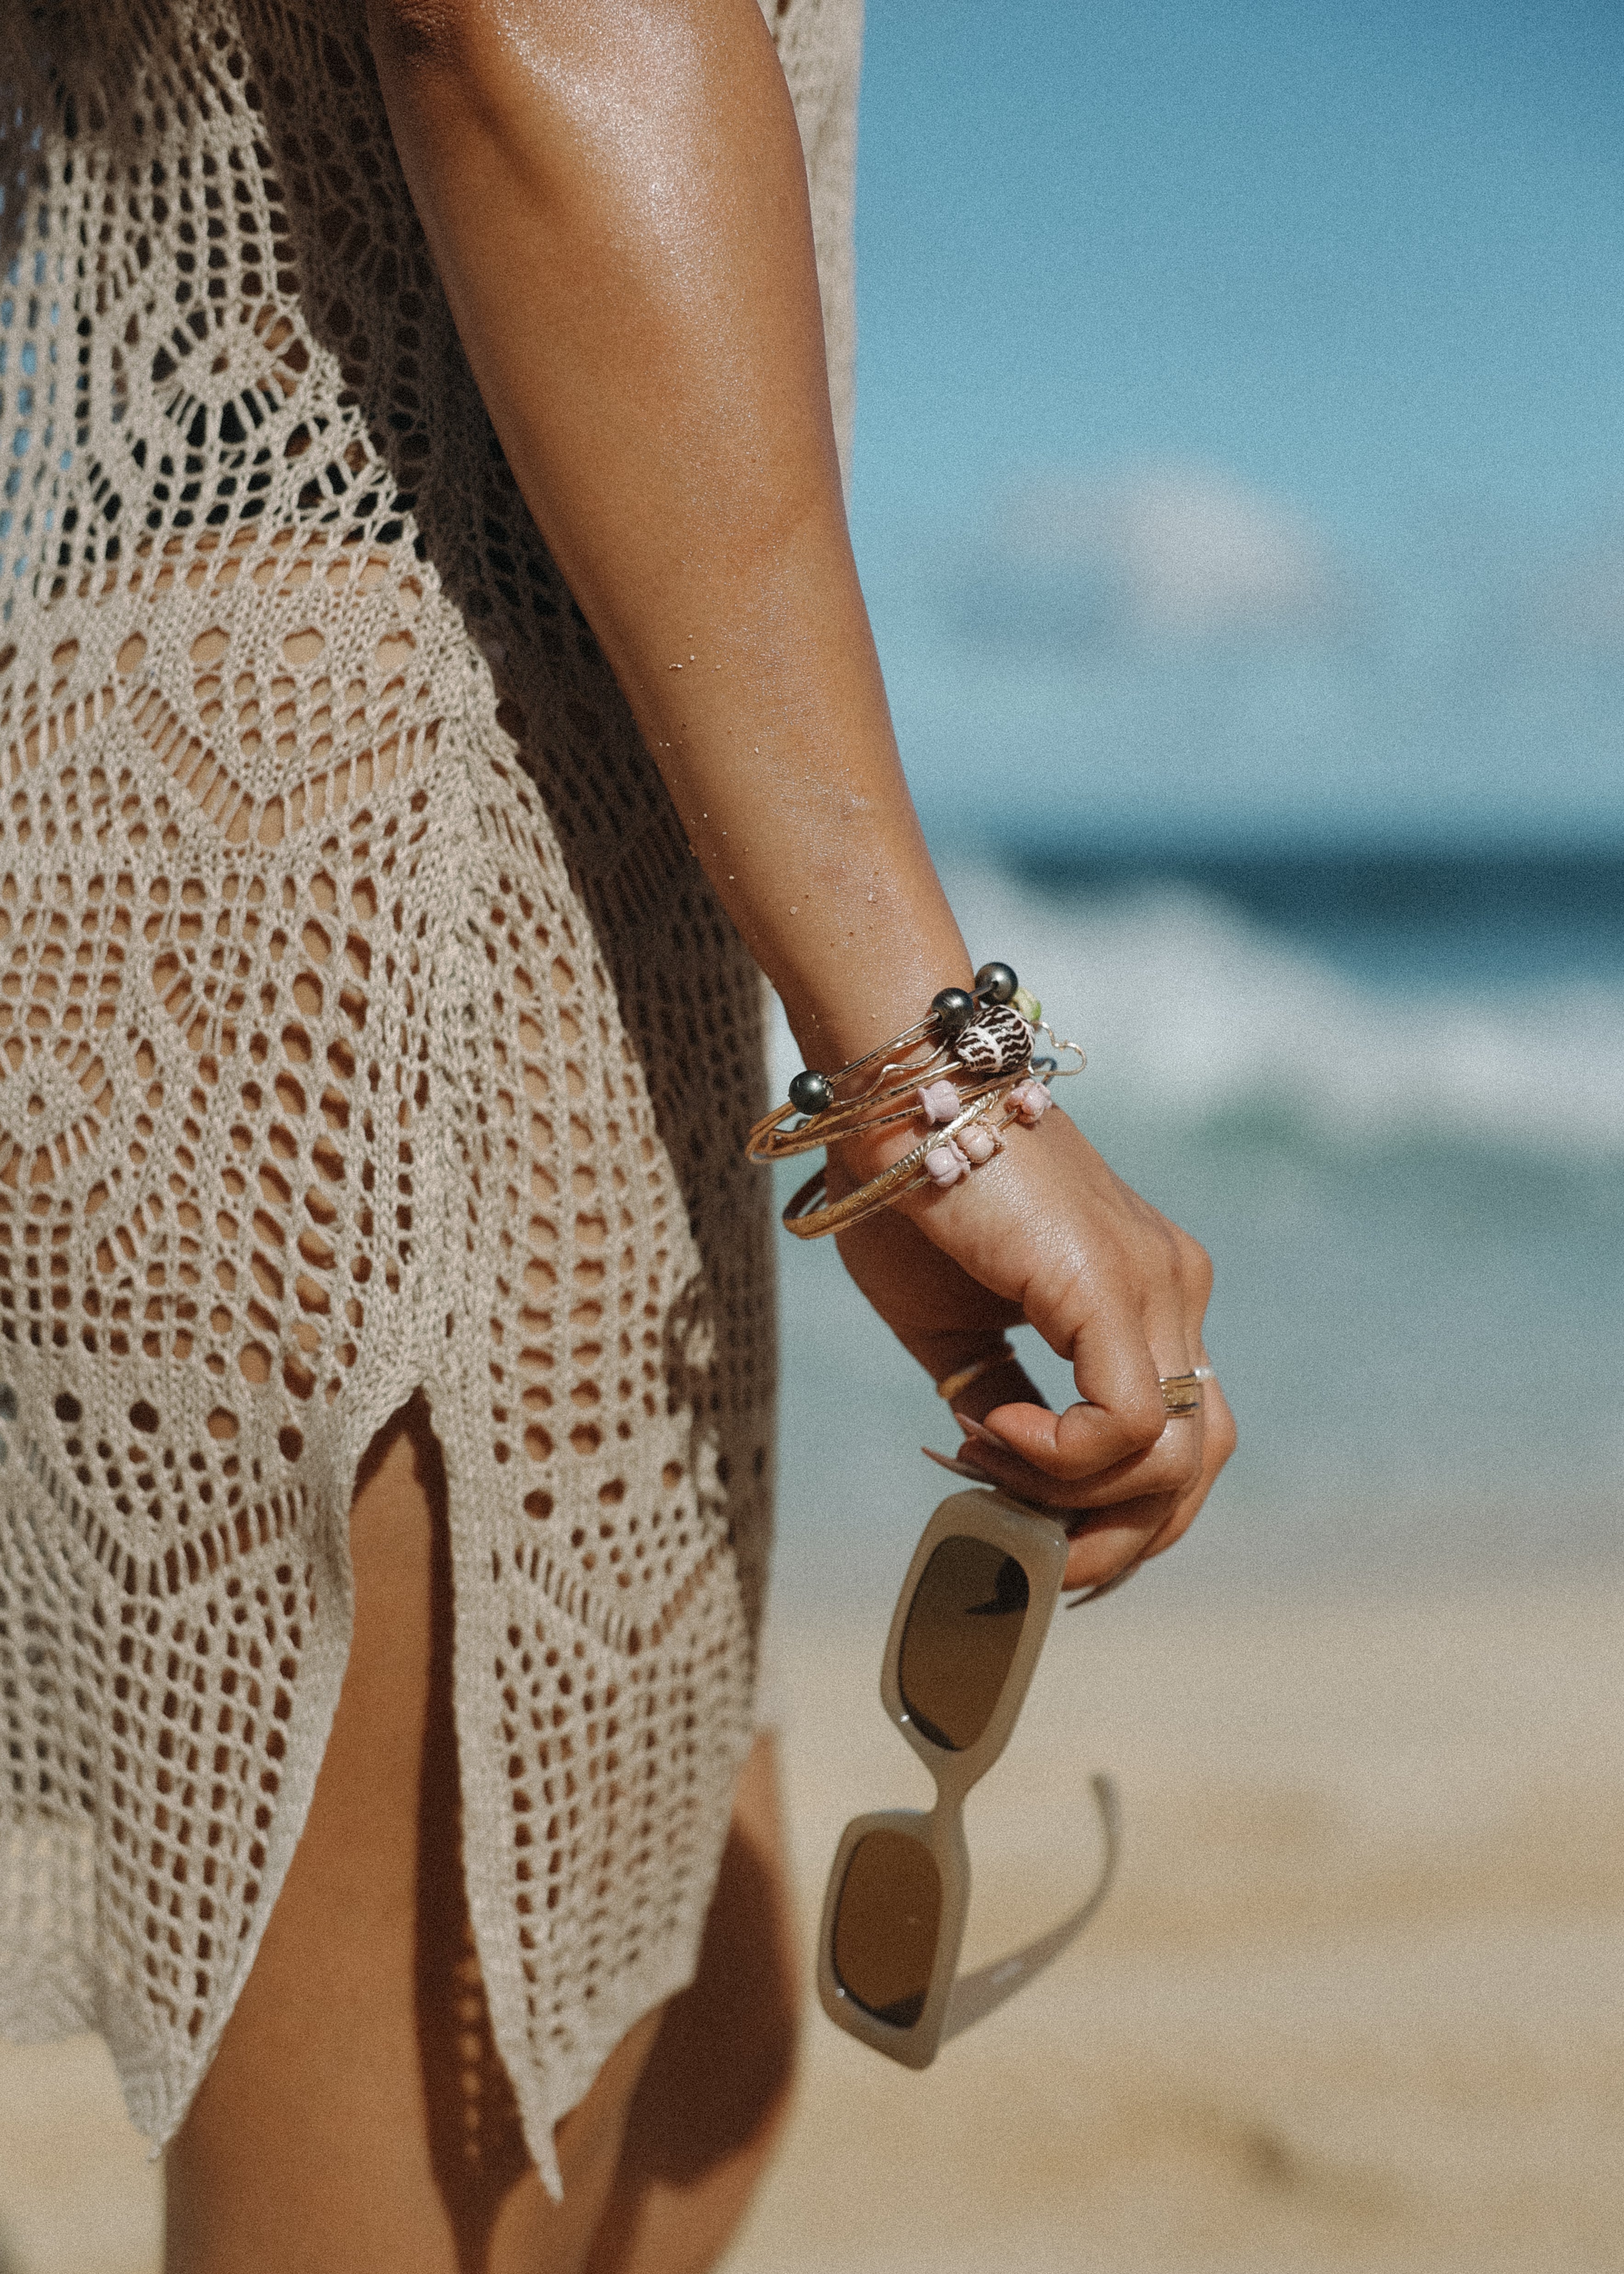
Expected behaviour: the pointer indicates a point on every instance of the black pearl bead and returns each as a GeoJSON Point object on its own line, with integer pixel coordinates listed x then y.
{"type": "Point", "coordinates": [996, 980]}
{"type": "Point", "coordinates": [810, 1093]}
{"type": "Point", "coordinates": [952, 1010]}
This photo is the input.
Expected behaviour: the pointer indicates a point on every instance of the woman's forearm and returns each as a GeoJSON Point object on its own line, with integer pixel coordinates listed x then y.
{"type": "Point", "coordinates": [615, 195]}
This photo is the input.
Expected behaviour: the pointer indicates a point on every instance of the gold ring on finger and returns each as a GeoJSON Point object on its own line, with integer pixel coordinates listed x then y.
{"type": "Point", "coordinates": [952, 1385]}
{"type": "Point", "coordinates": [1181, 1393]}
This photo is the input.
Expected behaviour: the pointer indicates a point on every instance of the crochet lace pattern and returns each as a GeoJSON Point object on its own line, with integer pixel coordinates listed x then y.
{"type": "Point", "coordinates": [365, 1024]}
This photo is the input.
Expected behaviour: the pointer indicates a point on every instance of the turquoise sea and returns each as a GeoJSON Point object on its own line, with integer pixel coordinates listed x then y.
{"type": "Point", "coordinates": [1387, 1089]}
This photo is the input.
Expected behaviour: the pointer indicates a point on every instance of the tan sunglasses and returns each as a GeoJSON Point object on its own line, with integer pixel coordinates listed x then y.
{"type": "Point", "coordinates": [964, 1638]}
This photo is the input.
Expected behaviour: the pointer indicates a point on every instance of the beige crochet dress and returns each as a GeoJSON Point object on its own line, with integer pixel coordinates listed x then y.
{"type": "Point", "coordinates": [365, 1024]}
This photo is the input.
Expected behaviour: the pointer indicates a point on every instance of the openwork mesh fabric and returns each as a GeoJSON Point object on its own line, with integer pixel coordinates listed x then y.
{"type": "Point", "coordinates": [365, 1025]}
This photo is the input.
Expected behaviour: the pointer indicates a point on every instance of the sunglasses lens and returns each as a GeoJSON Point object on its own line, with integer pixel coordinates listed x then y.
{"type": "Point", "coordinates": [886, 1925]}
{"type": "Point", "coordinates": [963, 1629]}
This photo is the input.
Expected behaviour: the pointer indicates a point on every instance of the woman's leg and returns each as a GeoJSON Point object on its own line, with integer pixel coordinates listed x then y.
{"type": "Point", "coordinates": [357, 2119]}
{"type": "Point", "coordinates": [713, 2097]}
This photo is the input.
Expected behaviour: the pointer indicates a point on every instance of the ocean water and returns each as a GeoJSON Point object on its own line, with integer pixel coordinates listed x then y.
{"type": "Point", "coordinates": [1389, 1095]}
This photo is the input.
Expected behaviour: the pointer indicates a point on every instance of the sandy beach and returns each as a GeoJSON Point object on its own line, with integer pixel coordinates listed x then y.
{"type": "Point", "coordinates": [1358, 2002]}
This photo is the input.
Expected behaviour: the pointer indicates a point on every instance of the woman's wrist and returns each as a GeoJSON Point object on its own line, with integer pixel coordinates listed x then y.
{"type": "Point", "coordinates": [936, 1094]}
{"type": "Point", "coordinates": [884, 1000]}
{"type": "Point", "coordinates": [864, 965]}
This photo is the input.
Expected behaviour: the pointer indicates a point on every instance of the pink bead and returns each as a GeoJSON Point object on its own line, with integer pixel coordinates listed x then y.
{"type": "Point", "coordinates": [939, 1101]}
{"type": "Point", "coordinates": [978, 1145]}
{"type": "Point", "coordinates": [1030, 1102]}
{"type": "Point", "coordinates": [944, 1164]}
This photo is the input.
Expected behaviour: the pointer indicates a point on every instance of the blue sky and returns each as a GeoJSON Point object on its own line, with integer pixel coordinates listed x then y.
{"type": "Point", "coordinates": [1241, 397]}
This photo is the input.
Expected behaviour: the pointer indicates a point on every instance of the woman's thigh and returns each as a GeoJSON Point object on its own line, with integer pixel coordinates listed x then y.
{"type": "Point", "coordinates": [357, 2116]}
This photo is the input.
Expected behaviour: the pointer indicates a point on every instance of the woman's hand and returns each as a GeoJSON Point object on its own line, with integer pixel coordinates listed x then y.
{"type": "Point", "coordinates": [1046, 1232]}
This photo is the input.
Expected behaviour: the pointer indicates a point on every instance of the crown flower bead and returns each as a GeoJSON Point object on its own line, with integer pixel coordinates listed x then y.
{"type": "Point", "coordinates": [939, 1101]}
{"type": "Point", "coordinates": [944, 1164]}
{"type": "Point", "coordinates": [1029, 1101]}
{"type": "Point", "coordinates": [976, 1144]}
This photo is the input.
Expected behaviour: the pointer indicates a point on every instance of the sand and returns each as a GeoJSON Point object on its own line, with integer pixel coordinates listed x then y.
{"type": "Point", "coordinates": [1358, 2002]}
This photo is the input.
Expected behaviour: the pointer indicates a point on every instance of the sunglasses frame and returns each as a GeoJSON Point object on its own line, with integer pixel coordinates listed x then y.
{"type": "Point", "coordinates": [1039, 1544]}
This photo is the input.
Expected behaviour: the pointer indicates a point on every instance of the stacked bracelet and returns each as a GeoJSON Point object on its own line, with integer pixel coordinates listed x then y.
{"type": "Point", "coordinates": [966, 1068]}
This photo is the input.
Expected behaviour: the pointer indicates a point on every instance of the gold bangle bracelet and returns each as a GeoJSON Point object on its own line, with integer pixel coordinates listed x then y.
{"type": "Point", "coordinates": [880, 1191]}
{"type": "Point", "coordinates": [953, 1385]}
{"type": "Point", "coordinates": [769, 1143]}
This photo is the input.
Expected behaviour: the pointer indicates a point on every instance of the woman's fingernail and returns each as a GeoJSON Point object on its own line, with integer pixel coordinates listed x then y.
{"type": "Point", "coordinates": [959, 1468]}
{"type": "Point", "coordinates": [979, 1430]}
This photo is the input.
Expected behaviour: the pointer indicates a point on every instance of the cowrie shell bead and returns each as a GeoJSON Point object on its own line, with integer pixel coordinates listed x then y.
{"type": "Point", "coordinates": [997, 1041]}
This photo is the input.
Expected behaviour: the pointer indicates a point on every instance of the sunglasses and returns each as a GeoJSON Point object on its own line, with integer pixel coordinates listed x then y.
{"type": "Point", "coordinates": [964, 1638]}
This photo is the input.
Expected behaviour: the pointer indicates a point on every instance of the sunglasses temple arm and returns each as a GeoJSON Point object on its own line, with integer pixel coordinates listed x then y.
{"type": "Point", "coordinates": [976, 1994]}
